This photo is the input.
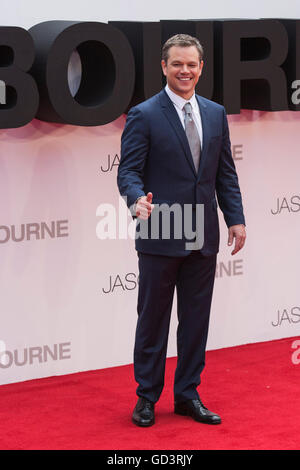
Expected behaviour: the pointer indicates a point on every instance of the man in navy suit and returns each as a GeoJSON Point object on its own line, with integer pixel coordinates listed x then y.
{"type": "Point", "coordinates": [176, 152]}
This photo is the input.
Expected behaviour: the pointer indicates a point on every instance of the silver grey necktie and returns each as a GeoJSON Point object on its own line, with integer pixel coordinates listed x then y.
{"type": "Point", "coordinates": [192, 134]}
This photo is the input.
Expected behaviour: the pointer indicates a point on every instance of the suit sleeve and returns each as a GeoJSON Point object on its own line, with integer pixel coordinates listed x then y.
{"type": "Point", "coordinates": [227, 185]}
{"type": "Point", "coordinates": [134, 151]}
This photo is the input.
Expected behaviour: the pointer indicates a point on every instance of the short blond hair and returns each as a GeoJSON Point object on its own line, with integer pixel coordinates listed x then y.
{"type": "Point", "coordinates": [181, 40]}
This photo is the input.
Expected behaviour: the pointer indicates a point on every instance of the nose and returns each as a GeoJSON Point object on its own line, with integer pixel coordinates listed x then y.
{"type": "Point", "coordinates": [184, 68]}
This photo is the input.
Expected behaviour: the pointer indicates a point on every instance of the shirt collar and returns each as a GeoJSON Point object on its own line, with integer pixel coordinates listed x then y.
{"type": "Point", "coordinates": [179, 101]}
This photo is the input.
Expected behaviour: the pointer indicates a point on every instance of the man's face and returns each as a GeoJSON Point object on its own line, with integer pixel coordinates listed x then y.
{"type": "Point", "coordinates": [182, 70]}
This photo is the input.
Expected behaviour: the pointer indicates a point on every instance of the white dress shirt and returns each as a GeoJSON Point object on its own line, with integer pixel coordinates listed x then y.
{"type": "Point", "coordinates": [179, 103]}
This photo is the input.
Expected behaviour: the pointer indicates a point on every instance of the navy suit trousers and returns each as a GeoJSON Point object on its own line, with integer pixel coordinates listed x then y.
{"type": "Point", "coordinates": [193, 276]}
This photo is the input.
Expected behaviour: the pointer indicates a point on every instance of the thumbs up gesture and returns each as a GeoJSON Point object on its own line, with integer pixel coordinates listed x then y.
{"type": "Point", "coordinates": [144, 206]}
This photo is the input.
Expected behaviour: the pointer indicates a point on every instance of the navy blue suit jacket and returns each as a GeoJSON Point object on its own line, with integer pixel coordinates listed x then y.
{"type": "Point", "coordinates": [156, 157]}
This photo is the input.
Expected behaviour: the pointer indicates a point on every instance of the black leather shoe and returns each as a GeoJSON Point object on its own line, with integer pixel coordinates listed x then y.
{"type": "Point", "coordinates": [143, 413]}
{"type": "Point", "coordinates": [197, 411]}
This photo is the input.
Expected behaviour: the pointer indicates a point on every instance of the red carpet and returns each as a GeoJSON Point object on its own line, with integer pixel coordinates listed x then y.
{"type": "Point", "coordinates": [255, 389]}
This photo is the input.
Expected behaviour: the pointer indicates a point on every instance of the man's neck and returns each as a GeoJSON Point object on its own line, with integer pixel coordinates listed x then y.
{"type": "Point", "coordinates": [187, 98]}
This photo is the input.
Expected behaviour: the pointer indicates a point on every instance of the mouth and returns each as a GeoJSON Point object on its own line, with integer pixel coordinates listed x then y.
{"type": "Point", "coordinates": [184, 79]}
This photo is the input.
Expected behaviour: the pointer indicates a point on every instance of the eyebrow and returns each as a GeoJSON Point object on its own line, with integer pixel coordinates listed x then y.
{"type": "Point", "coordinates": [177, 61]}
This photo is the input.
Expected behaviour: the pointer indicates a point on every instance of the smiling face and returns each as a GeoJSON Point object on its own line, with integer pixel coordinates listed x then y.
{"type": "Point", "coordinates": [182, 70]}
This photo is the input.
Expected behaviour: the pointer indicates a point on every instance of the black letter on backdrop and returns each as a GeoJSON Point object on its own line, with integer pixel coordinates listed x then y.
{"type": "Point", "coordinates": [21, 93]}
{"type": "Point", "coordinates": [253, 52]}
{"type": "Point", "coordinates": [145, 41]}
{"type": "Point", "coordinates": [292, 64]}
{"type": "Point", "coordinates": [107, 72]}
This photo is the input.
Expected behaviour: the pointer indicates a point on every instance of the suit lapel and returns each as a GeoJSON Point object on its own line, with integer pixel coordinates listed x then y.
{"type": "Point", "coordinates": [173, 118]}
{"type": "Point", "coordinates": [205, 134]}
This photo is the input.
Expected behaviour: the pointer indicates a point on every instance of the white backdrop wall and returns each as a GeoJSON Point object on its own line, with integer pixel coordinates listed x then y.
{"type": "Point", "coordinates": [68, 300]}
{"type": "Point", "coordinates": [29, 12]}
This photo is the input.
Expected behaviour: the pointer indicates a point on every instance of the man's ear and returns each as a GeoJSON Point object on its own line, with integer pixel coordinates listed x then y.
{"type": "Point", "coordinates": [164, 66]}
{"type": "Point", "coordinates": [201, 66]}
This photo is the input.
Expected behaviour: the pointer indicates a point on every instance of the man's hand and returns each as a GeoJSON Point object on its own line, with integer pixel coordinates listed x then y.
{"type": "Point", "coordinates": [144, 206]}
{"type": "Point", "coordinates": [239, 233]}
